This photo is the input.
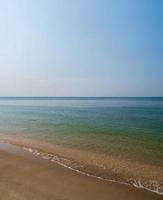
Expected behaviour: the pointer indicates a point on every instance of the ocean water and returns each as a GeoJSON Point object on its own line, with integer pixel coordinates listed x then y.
{"type": "Point", "coordinates": [119, 139]}
{"type": "Point", "coordinates": [126, 128]}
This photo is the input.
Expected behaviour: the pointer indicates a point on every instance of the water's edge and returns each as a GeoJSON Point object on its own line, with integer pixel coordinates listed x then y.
{"type": "Point", "coordinates": [71, 165]}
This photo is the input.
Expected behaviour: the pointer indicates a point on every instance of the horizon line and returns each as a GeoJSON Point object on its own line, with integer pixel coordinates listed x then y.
{"type": "Point", "coordinates": [81, 96]}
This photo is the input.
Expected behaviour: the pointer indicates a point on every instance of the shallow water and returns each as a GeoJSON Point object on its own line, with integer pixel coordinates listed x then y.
{"type": "Point", "coordinates": [129, 128]}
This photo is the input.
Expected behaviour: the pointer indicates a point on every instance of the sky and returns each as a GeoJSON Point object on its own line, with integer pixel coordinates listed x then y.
{"type": "Point", "coordinates": [81, 48]}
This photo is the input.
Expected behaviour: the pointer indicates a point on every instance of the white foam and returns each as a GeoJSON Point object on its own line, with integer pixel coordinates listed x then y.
{"type": "Point", "coordinates": [155, 187]}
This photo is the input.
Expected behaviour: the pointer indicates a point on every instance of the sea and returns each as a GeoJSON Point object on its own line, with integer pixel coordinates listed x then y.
{"type": "Point", "coordinates": [128, 129]}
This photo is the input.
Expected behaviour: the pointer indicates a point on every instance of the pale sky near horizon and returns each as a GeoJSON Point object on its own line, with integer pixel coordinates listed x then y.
{"type": "Point", "coordinates": [81, 48]}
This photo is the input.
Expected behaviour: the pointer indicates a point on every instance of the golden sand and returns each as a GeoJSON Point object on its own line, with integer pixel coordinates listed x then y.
{"type": "Point", "coordinates": [22, 178]}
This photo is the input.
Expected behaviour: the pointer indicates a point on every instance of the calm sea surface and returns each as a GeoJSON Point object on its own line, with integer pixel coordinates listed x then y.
{"type": "Point", "coordinates": [129, 128]}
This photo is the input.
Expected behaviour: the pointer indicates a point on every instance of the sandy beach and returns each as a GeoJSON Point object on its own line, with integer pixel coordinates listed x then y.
{"type": "Point", "coordinates": [23, 176]}
{"type": "Point", "coordinates": [103, 166]}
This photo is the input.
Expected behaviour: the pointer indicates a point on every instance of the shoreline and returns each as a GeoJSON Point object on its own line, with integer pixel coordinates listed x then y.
{"type": "Point", "coordinates": [54, 155]}
{"type": "Point", "coordinates": [31, 177]}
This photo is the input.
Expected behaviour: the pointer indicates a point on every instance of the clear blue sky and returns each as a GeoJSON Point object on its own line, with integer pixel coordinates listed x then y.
{"type": "Point", "coordinates": [81, 48]}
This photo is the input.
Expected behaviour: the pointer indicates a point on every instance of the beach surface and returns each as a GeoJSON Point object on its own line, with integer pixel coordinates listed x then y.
{"type": "Point", "coordinates": [24, 176]}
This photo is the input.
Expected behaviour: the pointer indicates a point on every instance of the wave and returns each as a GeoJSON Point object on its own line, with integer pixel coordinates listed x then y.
{"type": "Point", "coordinates": [153, 186]}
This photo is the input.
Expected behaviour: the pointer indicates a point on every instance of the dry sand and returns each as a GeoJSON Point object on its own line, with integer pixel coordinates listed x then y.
{"type": "Point", "coordinates": [23, 177]}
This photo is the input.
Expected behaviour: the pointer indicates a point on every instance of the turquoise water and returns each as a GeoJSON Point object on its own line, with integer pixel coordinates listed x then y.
{"type": "Point", "coordinates": [130, 128]}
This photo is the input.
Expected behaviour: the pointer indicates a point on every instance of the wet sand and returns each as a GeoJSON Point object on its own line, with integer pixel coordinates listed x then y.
{"type": "Point", "coordinates": [23, 176]}
{"type": "Point", "coordinates": [100, 165]}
